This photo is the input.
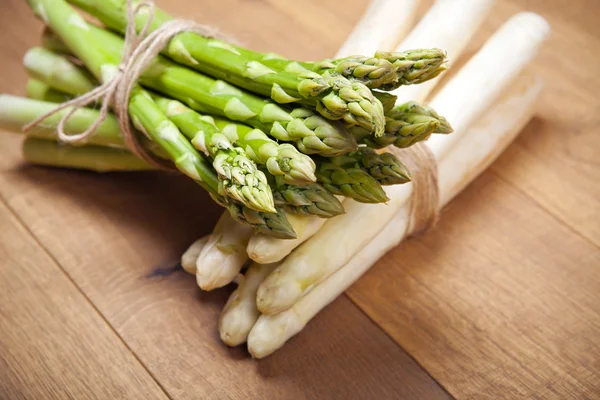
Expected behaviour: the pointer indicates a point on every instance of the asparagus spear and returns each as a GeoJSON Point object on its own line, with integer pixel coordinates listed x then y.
{"type": "Point", "coordinates": [223, 255]}
{"type": "Point", "coordinates": [38, 90]}
{"type": "Point", "coordinates": [92, 158]}
{"type": "Point", "coordinates": [385, 167]}
{"type": "Point", "coordinates": [240, 178]}
{"type": "Point", "coordinates": [350, 181]}
{"type": "Point", "coordinates": [406, 125]}
{"type": "Point", "coordinates": [146, 115]}
{"type": "Point", "coordinates": [240, 312]}
{"type": "Point", "coordinates": [45, 65]}
{"type": "Point", "coordinates": [384, 70]}
{"type": "Point", "coordinates": [312, 199]}
{"type": "Point", "coordinates": [334, 96]}
{"type": "Point", "coordinates": [190, 256]}
{"type": "Point", "coordinates": [279, 159]}
{"type": "Point", "coordinates": [15, 112]}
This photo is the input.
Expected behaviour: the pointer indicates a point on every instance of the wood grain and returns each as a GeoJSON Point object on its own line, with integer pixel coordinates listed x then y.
{"type": "Point", "coordinates": [54, 345]}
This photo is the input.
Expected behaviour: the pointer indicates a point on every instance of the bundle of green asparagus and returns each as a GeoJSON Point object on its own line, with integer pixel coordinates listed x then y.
{"type": "Point", "coordinates": [266, 136]}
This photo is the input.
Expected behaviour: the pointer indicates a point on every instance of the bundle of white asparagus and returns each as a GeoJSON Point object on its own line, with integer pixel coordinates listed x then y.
{"type": "Point", "coordinates": [488, 102]}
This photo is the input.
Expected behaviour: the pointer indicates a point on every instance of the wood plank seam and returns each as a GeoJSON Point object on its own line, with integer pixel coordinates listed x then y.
{"type": "Point", "coordinates": [557, 218]}
{"type": "Point", "coordinates": [389, 335]}
{"type": "Point", "coordinates": [85, 296]}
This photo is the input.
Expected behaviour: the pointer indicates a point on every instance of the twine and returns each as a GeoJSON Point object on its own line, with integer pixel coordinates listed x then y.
{"type": "Point", "coordinates": [424, 200]}
{"type": "Point", "coordinates": [139, 51]}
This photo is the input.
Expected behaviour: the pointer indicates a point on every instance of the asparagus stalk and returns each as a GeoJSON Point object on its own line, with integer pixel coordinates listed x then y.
{"type": "Point", "coordinates": [46, 66]}
{"type": "Point", "coordinates": [240, 312]}
{"type": "Point", "coordinates": [471, 156]}
{"type": "Point", "coordinates": [406, 125]}
{"type": "Point", "coordinates": [38, 90]}
{"type": "Point", "coordinates": [92, 158]}
{"type": "Point", "coordinates": [334, 96]}
{"type": "Point", "coordinates": [465, 15]}
{"type": "Point", "coordinates": [275, 225]}
{"type": "Point", "coordinates": [240, 178]}
{"type": "Point", "coordinates": [223, 255]}
{"type": "Point", "coordinates": [312, 199]}
{"type": "Point", "coordinates": [387, 70]}
{"type": "Point", "coordinates": [190, 256]}
{"type": "Point", "coordinates": [15, 112]}
{"type": "Point", "coordinates": [515, 43]}
{"type": "Point", "coordinates": [385, 167]}
{"type": "Point", "coordinates": [145, 114]}
{"type": "Point", "coordinates": [349, 181]}
{"type": "Point", "coordinates": [383, 25]}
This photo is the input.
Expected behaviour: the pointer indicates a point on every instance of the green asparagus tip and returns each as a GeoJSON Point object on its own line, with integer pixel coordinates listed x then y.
{"type": "Point", "coordinates": [353, 102]}
{"type": "Point", "coordinates": [350, 182]}
{"type": "Point", "coordinates": [311, 199]}
{"type": "Point", "coordinates": [414, 66]}
{"type": "Point", "coordinates": [271, 224]}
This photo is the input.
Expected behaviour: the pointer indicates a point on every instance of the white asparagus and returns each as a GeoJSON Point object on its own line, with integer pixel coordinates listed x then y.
{"type": "Point", "coordinates": [342, 237]}
{"type": "Point", "coordinates": [480, 146]}
{"type": "Point", "coordinates": [266, 249]}
{"type": "Point", "coordinates": [190, 257]}
{"type": "Point", "coordinates": [381, 27]}
{"type": "Point", "coordinates": [224, 253]}
{"type": "Point", "coordinates": [455, 22]}
{"type": "Point", "coordinates": [384, 24]}
{"type": "Point", "coordinates": [240, 312]}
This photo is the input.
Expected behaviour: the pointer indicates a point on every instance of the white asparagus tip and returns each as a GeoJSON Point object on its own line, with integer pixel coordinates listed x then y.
{"type": "Point", "coordinates": [190, 257]}
{"type": "Point", "coordinates": [275, 296]}
{"type": "Point", "coordinates": [271, 332]}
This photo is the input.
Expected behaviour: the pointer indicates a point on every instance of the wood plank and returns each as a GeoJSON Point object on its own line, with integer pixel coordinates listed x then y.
{"type": "Point", "coordinates": [501, 301]}
{"type": "Point", "coordinates": [115, 233]}
{"type": "Point", "coordinates": [54, 345]}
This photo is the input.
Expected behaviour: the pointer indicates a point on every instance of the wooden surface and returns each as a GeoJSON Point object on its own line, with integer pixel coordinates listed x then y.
{"type": "Point", "coordinates": [501, 300]}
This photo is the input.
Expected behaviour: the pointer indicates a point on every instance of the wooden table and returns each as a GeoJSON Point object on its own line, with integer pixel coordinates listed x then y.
{"type": "Point", "coordinates": [500, 301]}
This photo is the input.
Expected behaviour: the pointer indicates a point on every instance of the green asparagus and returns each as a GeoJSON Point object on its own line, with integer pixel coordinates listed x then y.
{"type": "Point", "coordinates": [38, 90]}
{"type": "Point", "coordinates": [332, 94]}
{"type": "Point", "coordinates": [145, 114]}
{"type": "Point", "coordinates": [45, 65]}
{"type": "Point", "coordinates": [385, 167]}
{"type": "Point", "coordinates": [406, 125]}
{"type": "Point", "coordinates": [311, 199]}
{"type": "Point", "coordinates": [93, 158]}
{"type": "Point", "coordinates": [240, 178]}
{"type": "Point", "coordinates": [348, 181]}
